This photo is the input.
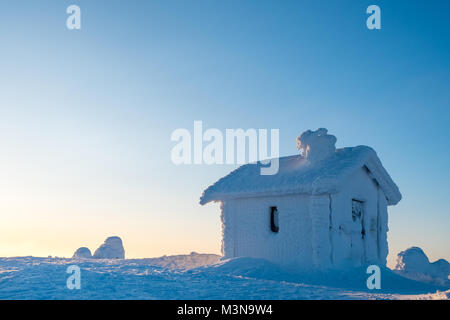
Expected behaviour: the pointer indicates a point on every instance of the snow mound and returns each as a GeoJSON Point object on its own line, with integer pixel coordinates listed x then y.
{"type": "Point", "coordinates": [354, 279]}
{"type": "Point", "coordinates": [414, 264]}
{"type": "Point", "coordinates": [112, 248]}
{"type": "Point", "coordinates": [82, 253]}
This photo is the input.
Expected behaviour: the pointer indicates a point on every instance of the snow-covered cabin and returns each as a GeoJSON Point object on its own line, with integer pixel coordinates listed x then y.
{"type": "Point", "coordinates": [325, 208]}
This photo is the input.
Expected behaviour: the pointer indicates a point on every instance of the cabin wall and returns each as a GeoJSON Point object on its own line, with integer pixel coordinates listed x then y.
{"type": "Point", "coordinates": [314, 231]}
{"type": "Point", "coordinates": [349, 247]}
{"type": "Point", "coordinates": [320, 211]}
{"type": "Point", "coordinates": [383, 228]}
{"type": "Point", "coordinates": [246, 230]}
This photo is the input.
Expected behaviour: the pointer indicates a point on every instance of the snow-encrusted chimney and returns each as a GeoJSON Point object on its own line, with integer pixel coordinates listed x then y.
{"type": "Point", "coordinates": [316, 145]}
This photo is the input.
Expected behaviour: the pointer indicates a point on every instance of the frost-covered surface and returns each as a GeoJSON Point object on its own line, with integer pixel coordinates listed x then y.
{"type": "Point", "coordinates": [241, 278]}
{"type": "Point", "coordinates": [314, 231]}
{"type": "Point", "coordinates": [315, 195]}
{"type": "Point", "coordinates": [316, 145]}
{"type": "Point", "coordinates": [322, 171]}
{"type": "Point", "coordinates": [413, 263]}
{"type": "Point", "coordinates": [82, 253]}
{"type": "Point", "coordinates": [112, 248]}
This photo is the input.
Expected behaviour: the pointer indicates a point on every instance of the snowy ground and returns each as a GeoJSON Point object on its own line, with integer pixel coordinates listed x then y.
{"type": "Point", "coordinates": [184, 277]}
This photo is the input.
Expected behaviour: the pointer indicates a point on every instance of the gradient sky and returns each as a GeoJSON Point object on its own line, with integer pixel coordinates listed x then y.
{"type": "Point", "coordinates": [86, 116]}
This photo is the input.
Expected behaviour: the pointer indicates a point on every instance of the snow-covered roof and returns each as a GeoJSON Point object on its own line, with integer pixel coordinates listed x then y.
{"type": "Point", "coordinates": [299, 175]}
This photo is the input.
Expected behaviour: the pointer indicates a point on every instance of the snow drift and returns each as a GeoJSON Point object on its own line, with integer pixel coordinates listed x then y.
{"type": "Point", "coordinates": [414, 264]}
{"type": "Point", "coordinates": [350, 279]}
{"type": "Point", "coordinates": [239, 278]}
{"type": "Point", "coordinates": [82, 253]}
{"type": "Point", "coordinates": [112, 248]}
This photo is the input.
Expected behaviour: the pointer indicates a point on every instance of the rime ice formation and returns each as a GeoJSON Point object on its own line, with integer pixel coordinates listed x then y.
{"type": "Point", "coordinates": [316, 145]}
{"type": "Point", "coordinates": [112, 248]}
{"type": "Point", "coordinates": [297, 175]}
{"type": "Point", "coordinates": [331, 207]}
{"type": "Point", "coordinates": [413, 263]}
{"type": "Point", "coordinates": [82, 253]}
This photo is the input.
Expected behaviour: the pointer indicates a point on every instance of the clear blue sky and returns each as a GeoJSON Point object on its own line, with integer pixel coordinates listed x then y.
{"type": "Point", "coordinates": [86, 116]}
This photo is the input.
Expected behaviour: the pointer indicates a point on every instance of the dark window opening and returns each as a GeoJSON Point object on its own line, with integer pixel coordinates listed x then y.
{"type": "Point", "coordinates": [274, 219]}
{"type": "Point", "coordinates": [357, 209]}
{"type": "Point", "coordinates": [358, 215]}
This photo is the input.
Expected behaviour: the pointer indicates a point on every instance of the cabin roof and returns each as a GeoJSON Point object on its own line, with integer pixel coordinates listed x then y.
{"type": "Point", "coordinates": [298, 175]}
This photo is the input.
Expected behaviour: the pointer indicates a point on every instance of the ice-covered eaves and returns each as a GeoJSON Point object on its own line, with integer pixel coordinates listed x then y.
{"type": "Point", "coordinates": [298, 175]}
